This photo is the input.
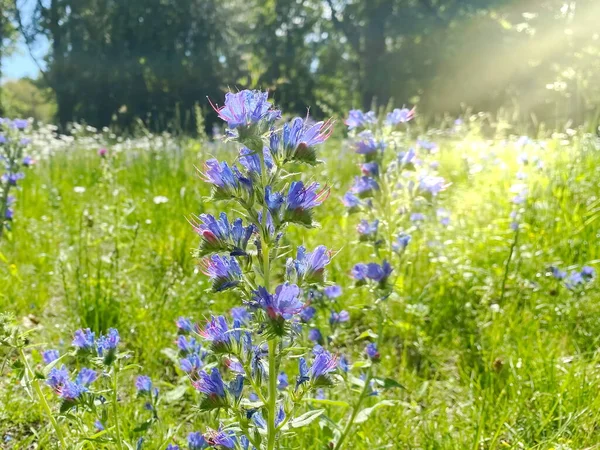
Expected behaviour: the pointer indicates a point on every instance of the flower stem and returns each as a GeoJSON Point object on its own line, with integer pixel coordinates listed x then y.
{"type": "Point", "coordinates": [33, 381]}
{"type": "Point", "coordinates": [355, 410]}
{"type": "Point", "coordinates": [271, 428]}
{"type": "Point", "coordinates": [115, 406]}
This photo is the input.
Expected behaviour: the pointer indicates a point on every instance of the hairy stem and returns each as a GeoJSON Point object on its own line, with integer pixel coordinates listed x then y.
{"type": "Point", "coordinates": [115, 406]}
{"type": "Point", "coordinates": [34, 382]}
{"type": "Point", "coordinates": [271, 428]}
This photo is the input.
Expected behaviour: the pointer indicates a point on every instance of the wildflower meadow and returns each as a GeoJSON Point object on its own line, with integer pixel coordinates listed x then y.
{"type": "Point", "coordinates": [372, 281]}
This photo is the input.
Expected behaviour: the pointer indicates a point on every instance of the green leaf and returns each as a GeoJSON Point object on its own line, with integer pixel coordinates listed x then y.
{"type": "Point", "coordinates": [306, 418]}
{"type": "Point", "coordinates": [389, 383]}
{"type": "Point", "coordinates": [369, 334]}
{"type": "Point", "coordinates": [328, 402]}
{"type": "Point", "coordinates": [363, 415]}
{"type": "Point", "coordinates": [175, 394]}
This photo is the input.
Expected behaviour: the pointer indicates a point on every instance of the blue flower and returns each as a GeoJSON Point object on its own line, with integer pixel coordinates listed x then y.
{"type": "Point", "coordinates": [341, 317]}
{"type": "Point", "coordinates": [373, 271]}
{"type": "Point", "coordinates": [191, 365]}
{"type": "Point", "coordinates": [284, 304]}
{"type": "Point", "coordinates": [57, 378]}
{"type": "Point", "coordinates": [417, 217]}
{"type": "Point", "coordinates": [557, 273]}
{"type": "Point", "coordinates": [310, 266]}
{"type": "Point", "coordinates": [298, 139]}
{"type": "Point", "coordinates": [218, 235]}
{"type": "Point", "coordinates": [588, 272]}
{"type": "Point", "coordinates": [400, 116]}
{"type": "Point", "coordinates": [432, 184]}
{"type": "Point", "coordinates": [84, 339]}
{"type": "Point", "coordinates": [252, 163]}
{"type": "Point", "coordinates": [196, 441]}
{"type": "Point", "coordinates": [344, 364]}
{"type": "Point", "coordinates": [323, 364]}
{"type": "Point", "coordinates": [50, 356]}
{"type": "Point", "coordinates": [402, 242]}
{"type": "Point", "coordinates": [143, 384]}
{"type": "Point", "coordinates": [241, 314]}
{"type": "Point", "coordinates": [282, 381]}
{"type": "Point", "coordinates": [320, 394]}
{"type": "Point", "coordinates": [315, 335]}
{"type": "Point", "coordinates": [213, 387]}
{"type": "Point", "coordinates": [351, 201]}
{"type": "Point", "coordinates": [372, 352]}
{"type": "Point", "coordinates": [307, 314]}
{"type": "Point", "coordinates": [227, 181]}
{"type": "Point", "coordinates": [364, 187]}
{"type": "Point", "coordinates": [301, 200]}
{"type": "Point", "coordinates": [430, 146]}
{"type": "Point", "coordinates": [184, 325]}
{"type": "Point", "coordinates": [356, 118]}
{"type": "Point", "coordinates": [236, 387]}
{"type": "Point", "coordinates": [359, 272]}
{"type": "Point", "coordinates": [273, 200]}
{"type": "Point", "coordinates": [19, 124]}
{"type": "Point", "coordinates": [217, 332]}
{"type": "Point", "coordinates": [247, 108]}
{"type": "Point", "coordinates": [107, 345]}
{"type": "Point", "coordinates": [12, 178]}
{"type": "Point", "coordinates": [367, 145]}
{"type": "Point", "coordinates": [303, 372]}
{"type": "Point", "coordinates": [224, 272]}
{"type": "Point", "coordinates": [220, 438]}
{"type": "Point", "coordinates": [409, 157]}
{"type": "Point", "coordinates": [85, 377]}
{"type": "Point", "coordinates": [28, 161]}
{"type": "Point", "coordinates": [100, 426]}
{"type": "Point", "coordinates": [334, 291]}
{"type": "Point", "coordinates": [370, 169]}
{"type": "Point", "coordinates": [367, 231]}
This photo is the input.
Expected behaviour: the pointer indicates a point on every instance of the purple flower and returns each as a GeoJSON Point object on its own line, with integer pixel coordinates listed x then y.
{"type": "Point", "coordinates": [211, 385]}
{"type": "Point", "coordinates": [364, 186]}
{"type": "Point", "coordinates": [50, 356]}
{"type": "Point", "coordinates": [351, 201]}
{"type": "Point", "coordinates": [588, 272]}
{"type": "Point", "coordinates": [342, 316]}
{"type": "Point", "coordinates": [184, 325]}
{"type": "Point", "coordinates": [359, 272]}
{"type": "Point", "coordinates": [240, 313]}
{"type": "Point", "coordinates": [220, 438]}
{"type": "Point", "coordinates": [236, 387]}
{"type": "Point", "coordinates": [344, 364]}
{"type": "Point", "coordinates": [356, 118]}
{"type": "Point", "coordinates": [298, 139]}
{"type": "Point", "coordinates": [300, 201]}
{"type": "Point", "coordinates": [310, 266]}
{"type": "Point", "coordinates": [320, 394]}
{"type": "Point", "coordinates": [402, 242]}
{"type": "Point", "coordinates": [28, 161]}
{"type": "Point", "coordinates": [12, 178]}
{"type": "Point", "coordinates": [379, 273]}
{"type": "Point", "coordinates": [84, 339]}
{"type": "Point", "coordinates": [102, 152]}
{"type": "Point", "coordinates": [307, 314]}
{"type": "Point", "coordinates": [408, 157]}
{"type": "Point", "coordinates": [252, 163]}
{"type": "Point", "coordinates": [400, 116]}
{"type": "Point", "coordinates": [282, 381]}
{"type": "Point", "coordinates": [227, 181]}
{"type": "Point", "coordinates": [196, 441]}
{"type": "Point", "coordinates": [224, 272]}
{"type": "Point", "coordinates": [417, 217]}
{"type": "Point", "coordinates": [72, 391]}
{"type": "Point", "coordinates": [57, 378]}
{"type": "Point", "coordinates": [334, 291]}
{"type": "Point", "coordinates": [273, 200]}
{"type": "Point", "coordinates": [285, 303]}
{"type": "Point", "coordinates": [218, 235]}
{"type": "Point", "coordinates": [143, 384]}
{"type": "Point", "coordinates": [557, 273]}
{"type": "Point", "coordinates": [85, 377]}
{"type": "Point", "coordinates": [188, 345]}
{"type": "Point", "coordinates": [430, 146]}
{"type": "Point", "coordinates": [100, 426]}
{"type": "Point", "coordinates": [323, 364]}
{"type": "Point", "coordinates": [367, 145]}
{"type": "Point", "coordinates": [315, 335]}
{"type": "Point", "coordinates": [303, 372]}
{"type": "Point", "coordinates": [107, 344]}
{"type": "Point", "coordinates": [19, 124]}
{"type": "Point", "coordinates": [431, 184]}
{"type": "Point", "coordinates": [370, 169]}
{"type": "Point", "coordinates": [372, 352]}
{"type": "Point", "coordinates": [9, 214]}
{"type": "Point", "coordinates": [191, 365]}
{"type": "Point", "coordinates": [217, 332]}
{"type": "Point", "coordinates": [367, 231]}
{"type": "Point", "coordinates": [246, 108]}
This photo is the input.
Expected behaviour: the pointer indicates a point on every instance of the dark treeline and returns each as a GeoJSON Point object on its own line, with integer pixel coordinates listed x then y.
{"type": "Point", "coordinates": [114, 61]}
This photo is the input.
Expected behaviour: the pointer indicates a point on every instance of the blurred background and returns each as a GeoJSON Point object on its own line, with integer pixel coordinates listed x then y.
{"type": "Point", "coordinates": [114, 62]}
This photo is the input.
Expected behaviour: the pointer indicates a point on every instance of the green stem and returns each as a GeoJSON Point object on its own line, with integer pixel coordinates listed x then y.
{"type": "Point", "coordinates": [271, 428]}
{"type": "Point", "coordinates": [115, 406]}
{"type": "Point", "coordinates": [507, 265]}
{"type": "Point", "coordinates": [355, 410]}
{"type": "Point", "coordinates": [33, 381]}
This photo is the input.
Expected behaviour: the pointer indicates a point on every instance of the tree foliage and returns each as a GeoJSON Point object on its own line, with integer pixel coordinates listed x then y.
{"type": "Point", "coordinates": [113, 61]}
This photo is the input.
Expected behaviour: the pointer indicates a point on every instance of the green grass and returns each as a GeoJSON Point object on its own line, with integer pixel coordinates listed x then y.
{"type": "Point", "coordinates": [479, 368]}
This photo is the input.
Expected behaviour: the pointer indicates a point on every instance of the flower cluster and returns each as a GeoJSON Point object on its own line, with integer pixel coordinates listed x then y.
{"type": "Point", "coordinates": [13, 157]}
